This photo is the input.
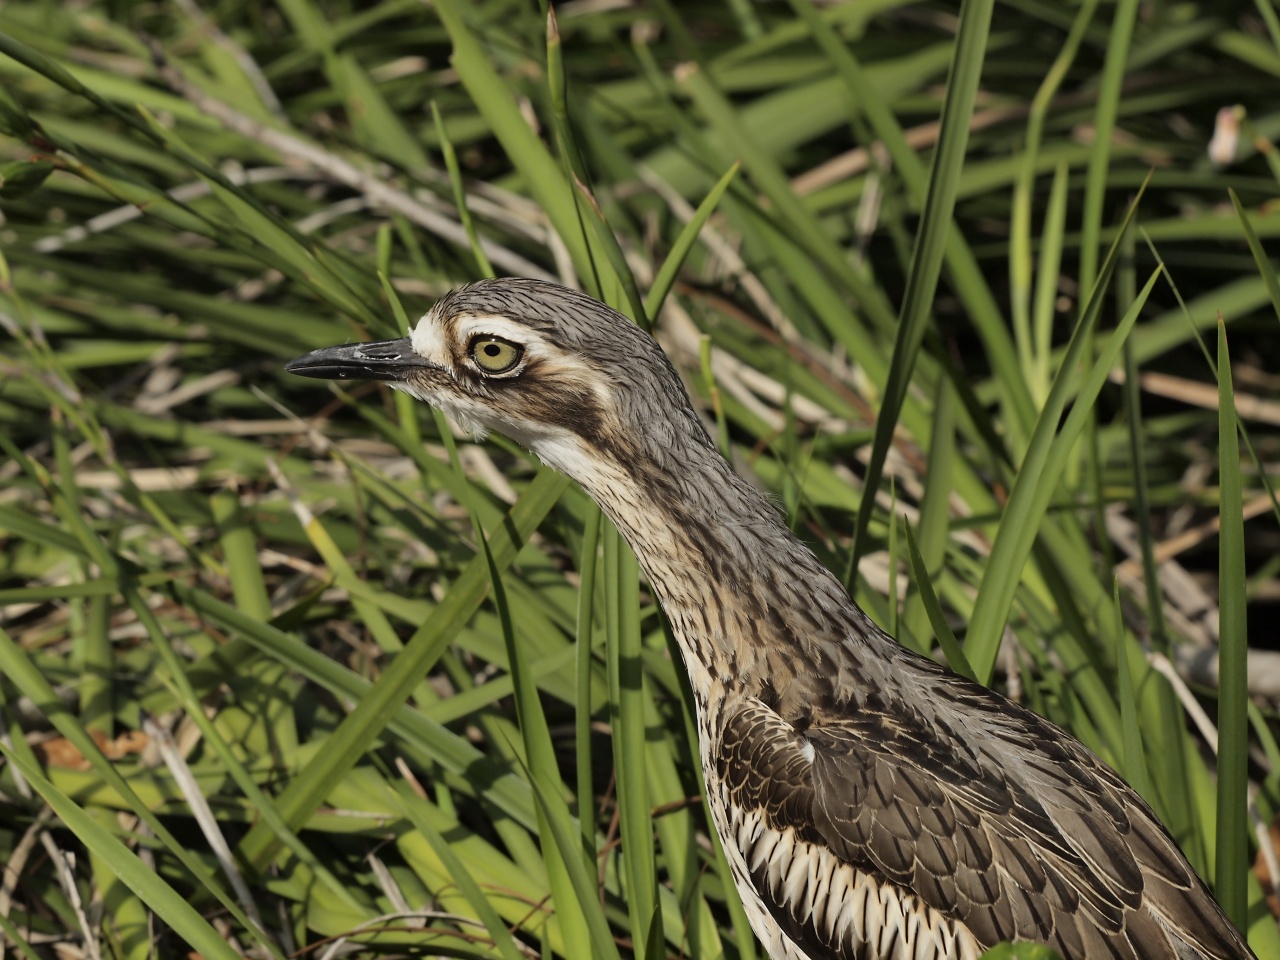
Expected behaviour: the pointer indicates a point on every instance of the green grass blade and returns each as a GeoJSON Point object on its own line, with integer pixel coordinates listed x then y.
{"type": "Point", "coordinates": [1104, 122]}
{"type": "Point", "coordinates": [670, 268]}
{"type": "Point", "coordinates": [926, 259]}
{"type": "Point", "coordinates": [460, 194]}
{"type": "Point", "coordinates": [1169, 739]}
{"type": "Point", "coordinates": [502, 939]}
{"type": "Point", "coordinates": [626, 678]}
{"type": "Point", "coordinates": [1260, 257]}
{"type": "Point", "coordinates": [587, 567]}
{"type": "Point", "coordinates": [965, 274]}
{"type": "Point", "coordinates": [1232, 861]}
{"type": "Point", "coordinates": [18, 667]}
{"type": "Point", "coordinates": [1135, 754]}
{"type": "Point", "coordinates": [239, 553]}
{"type": "Point", "coordinates": [565, 838]}
{"type": "Point", "coordinates": [941, 629]}
{"type": "Point", "coordinates": [1030, 498]}
{"type": "Point", "coordinates": [10, 930]}
{"type": "Point", "coordinates": [1020, 253]}
{"type": "Point", "coordinates": [168, 904]}
{"type": "Point", "coordinates": [358, 731]}
{"type": "Point", "coordinates": [541, 758]}
{"type": "Point", "coordinates": [1048, 268]}
{"type": "Point", "coordinates": [261, 802]}
{"type": "Point", "coordinates": [1004, 571]}
{"type": "Point", "coordinates": [545, 178]}
{"type": "Point", "coordinates": [935, 508]}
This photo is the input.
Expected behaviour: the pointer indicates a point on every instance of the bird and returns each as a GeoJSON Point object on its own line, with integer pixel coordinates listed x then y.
{"type": "Point", "coordinates": [872, 804]}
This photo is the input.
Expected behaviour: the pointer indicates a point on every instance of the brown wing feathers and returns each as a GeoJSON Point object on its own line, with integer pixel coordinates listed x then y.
{"type": "Point", "coordinates": [1081, 864]}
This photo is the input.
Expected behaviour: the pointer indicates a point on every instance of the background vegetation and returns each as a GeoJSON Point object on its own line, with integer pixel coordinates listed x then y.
{"type": "Point", "coordinates": [264, 694]}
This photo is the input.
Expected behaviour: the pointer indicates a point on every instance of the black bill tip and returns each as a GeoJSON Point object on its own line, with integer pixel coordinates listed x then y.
{"type": "Point", "coordinates": [384, 360]}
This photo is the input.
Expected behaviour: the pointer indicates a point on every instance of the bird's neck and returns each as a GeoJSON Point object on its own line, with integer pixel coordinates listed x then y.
{"type": "Point", "coordinates": [747, 600]}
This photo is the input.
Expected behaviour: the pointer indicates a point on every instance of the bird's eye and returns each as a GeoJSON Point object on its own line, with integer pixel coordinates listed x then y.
{"type": "Point", "coordinates": [495, 355]}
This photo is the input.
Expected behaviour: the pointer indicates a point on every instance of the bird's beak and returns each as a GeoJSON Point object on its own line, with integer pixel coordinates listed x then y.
{"type": "Point", "coordinates": [386, 360]}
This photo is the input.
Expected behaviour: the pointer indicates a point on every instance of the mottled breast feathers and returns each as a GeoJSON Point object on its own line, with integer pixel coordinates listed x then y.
{"type": "Point", "coordinates": [1031, 838]}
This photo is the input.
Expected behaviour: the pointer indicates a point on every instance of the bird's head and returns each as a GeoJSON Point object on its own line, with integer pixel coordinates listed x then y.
{"type": "Point", "coordinates": [560, 373]}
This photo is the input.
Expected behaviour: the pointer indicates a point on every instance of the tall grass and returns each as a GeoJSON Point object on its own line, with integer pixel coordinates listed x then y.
{"type": "Point", "coordinates": [287, 672]}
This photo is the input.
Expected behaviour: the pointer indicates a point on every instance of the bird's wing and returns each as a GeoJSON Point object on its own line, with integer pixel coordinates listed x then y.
{"type": "Point", "coordinates": [1032, 838]}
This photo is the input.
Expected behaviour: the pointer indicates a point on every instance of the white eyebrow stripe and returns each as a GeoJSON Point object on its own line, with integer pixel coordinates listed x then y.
{"type": "Point", "coordinates": [469, 324]}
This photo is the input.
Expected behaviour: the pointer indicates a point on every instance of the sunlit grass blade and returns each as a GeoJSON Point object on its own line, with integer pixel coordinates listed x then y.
{"type": "Point", "coordinates": [575, 927]}
{"type": "Point", "coordinates": [566, 840]}
{"type": "Point", "coordinates": [539, 751]}
{"type": "Point", "coordinates": [502, 939]}
{"type": "Point", "coordinates": [130, 915]}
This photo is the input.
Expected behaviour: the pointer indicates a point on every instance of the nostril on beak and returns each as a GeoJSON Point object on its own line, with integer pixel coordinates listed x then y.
{"type": "Point", "coordinates": [382, 351]}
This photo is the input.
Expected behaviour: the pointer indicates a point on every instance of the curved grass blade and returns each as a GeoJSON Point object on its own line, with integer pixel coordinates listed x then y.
{"type": "Point", "coordinates": [684, 243]}
{"type": "Point", "coordinates": [1018, 529]}
{"type": "Point", "coordinates": [1260, 257]}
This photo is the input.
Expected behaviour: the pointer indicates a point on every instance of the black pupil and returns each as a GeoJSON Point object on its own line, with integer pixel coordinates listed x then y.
{"type": "Point", "coordinates": [492, 349]}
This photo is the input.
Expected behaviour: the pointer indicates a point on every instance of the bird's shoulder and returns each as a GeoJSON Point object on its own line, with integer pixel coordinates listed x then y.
{"type": "Point", "coordinates": [983, 810]}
